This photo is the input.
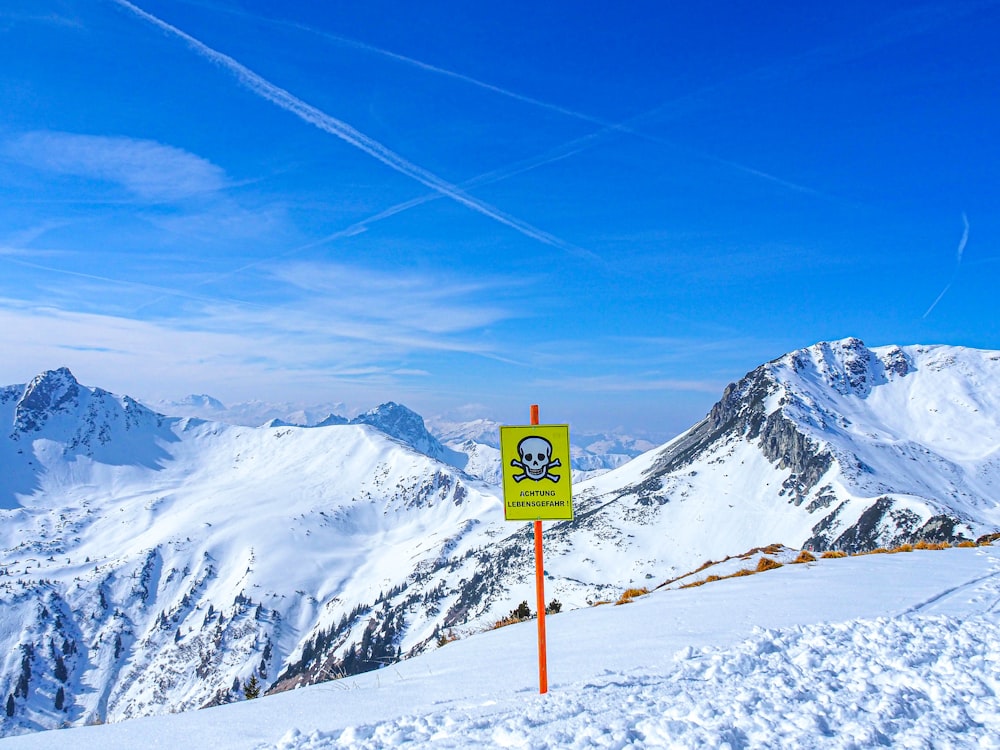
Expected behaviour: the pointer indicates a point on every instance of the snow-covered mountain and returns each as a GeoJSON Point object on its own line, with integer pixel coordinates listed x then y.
{"type": "Point", "coordinates": [150, 564]}
{"type": "Point", "coordinates": [834, 446]}
{"type": "Point", "coordinates": [408, 427]}
{"type": "Point", "coordinates": [591, 454]}
{"type": "Point", "coordinates": [248, 413]}
{"type": "Point", "coordinates": [472, 446]}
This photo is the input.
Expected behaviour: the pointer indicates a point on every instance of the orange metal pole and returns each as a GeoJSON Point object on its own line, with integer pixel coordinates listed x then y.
{"type": "Point", "coordinates": [543, 673]}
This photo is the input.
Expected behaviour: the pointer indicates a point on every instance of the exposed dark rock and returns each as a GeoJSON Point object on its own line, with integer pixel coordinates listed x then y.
{"type": "Point", "coordinates": [897, 362]}
{"type": "Point", "coordinates": [822, 532]}
{"type": "Point", "coordinates": [741, 413]}
{"type": "Point", "coordinates": [783, 445]}
{"type": "Point", "coordinates": [49, 393]}
{"type": "Point", "coordinates": [866, 534]}
{"type": "Point", "coordinates": [883, 524]}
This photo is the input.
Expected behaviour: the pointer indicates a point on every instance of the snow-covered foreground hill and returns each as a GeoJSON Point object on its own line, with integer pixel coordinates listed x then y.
{"type": "Point", "coordinates": [879, 650]}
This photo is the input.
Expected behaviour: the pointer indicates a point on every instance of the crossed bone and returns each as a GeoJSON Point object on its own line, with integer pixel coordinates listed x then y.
{"type": "Point", "coordinates": [547, 475]}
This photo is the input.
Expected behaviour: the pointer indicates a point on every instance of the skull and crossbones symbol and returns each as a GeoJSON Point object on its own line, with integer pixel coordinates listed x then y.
{"type": "Point", "coordinates": [536, 460]}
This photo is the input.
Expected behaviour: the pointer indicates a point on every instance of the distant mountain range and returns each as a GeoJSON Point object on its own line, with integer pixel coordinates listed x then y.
{"type": "Point", "coordinates": [472, 446]}
{"type": "Point", "coordinates": [152, 563]}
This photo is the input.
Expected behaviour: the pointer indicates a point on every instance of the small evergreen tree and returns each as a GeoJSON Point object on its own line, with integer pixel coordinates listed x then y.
{"type": "Point", "coordinates": [10, 705]}
{"type": "Point", "coordinates": [521, 612]}
{"type": "Point", "coordinates": [59, 669]}
{"type": "Point", "coordinates": [251, 688]}
{"type": "Point", "coordinates": [60, 698]}
{"type": "Point", "coordinates": [554, 607]}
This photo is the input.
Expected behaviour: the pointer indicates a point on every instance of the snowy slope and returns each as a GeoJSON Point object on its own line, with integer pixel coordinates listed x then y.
{"type": "Point", "coordinates": [801, 656]}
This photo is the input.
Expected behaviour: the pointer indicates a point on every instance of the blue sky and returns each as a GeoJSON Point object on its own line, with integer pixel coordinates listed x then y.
{"type": "Point", "coordinates": [612, 210]}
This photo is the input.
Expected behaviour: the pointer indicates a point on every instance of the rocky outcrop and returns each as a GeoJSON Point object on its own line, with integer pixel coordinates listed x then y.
{"type": "Point", "coordinates": [883, 524]}
{"type": "Point", "coordinates": [741, 413]}
{"type": "Point", "coordinates": [397, 421]}
{"type": "Point", "coordinates": [51, 392]}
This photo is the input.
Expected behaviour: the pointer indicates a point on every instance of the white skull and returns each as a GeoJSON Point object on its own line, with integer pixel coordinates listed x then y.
{"type": "Point", "coordinates": [535, 454]}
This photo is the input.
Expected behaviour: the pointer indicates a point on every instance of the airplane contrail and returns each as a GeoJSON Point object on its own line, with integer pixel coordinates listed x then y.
{"type": "Point", "coordinates": [965, 237]}
{"type": "Point", "coordinates": [329, 124]}
{"type": "Point", "coordinates": [626, 127]}
{"type": "Point", "coordinates": [939, 297]}
{"type": "Point", "coordinates": [563, 151]}
{"type": "Point", "coordinates": [958, 262]}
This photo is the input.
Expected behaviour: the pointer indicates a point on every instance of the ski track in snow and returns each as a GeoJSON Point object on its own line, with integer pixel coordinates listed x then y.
{"type": "Point", "coordinates": [979, 588]}
{"type": "Point", "coordinates": [913, 682]}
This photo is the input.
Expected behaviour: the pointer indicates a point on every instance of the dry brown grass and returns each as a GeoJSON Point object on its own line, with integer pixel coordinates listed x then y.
{"type": "Point", "coordinates": [766, 563]}
{"type": "Point", "coordinates": [805, 556]}
{"type": "Point", "coordinates": [771, 549]}
{"type": "Point", "coordinates": [504, 622]}
{"type": "Point", "coordinates": [923, 544]}
{"type": "Point", "coordinates": [629, 594]}
{"type": "Point", "coordinates": [966, 543]}
{"type": "Point", "coordinates": [693, 584]}
{"type": "Point", "coordinates": [831, 554]}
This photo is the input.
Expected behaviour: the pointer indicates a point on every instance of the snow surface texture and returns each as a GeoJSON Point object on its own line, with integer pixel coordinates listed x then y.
{"type": "Point", "coordinates": [881, 650]}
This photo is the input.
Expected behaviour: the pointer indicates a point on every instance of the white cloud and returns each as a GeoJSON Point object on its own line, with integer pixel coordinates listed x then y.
{"type": "Point", "coordinates": [628, 384]}
{"type": "Point", "coordinates": [141, 357]}
{"type": "Point", "coordinates": [419, 303]}
{"type": "Point", "coordinates": [149, 170]}
{"type": "Point", "coordinates": [338, 325]}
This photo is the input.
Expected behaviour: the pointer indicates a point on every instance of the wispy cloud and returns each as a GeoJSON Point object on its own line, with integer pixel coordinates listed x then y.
{"type": "Point", "coordinates": [329, 124]}
{"type": "Point", "coordinates": [429, 304]}
{"type": "Point", "coordinates": [317, 314]}
{"type": "Point", "coordinates": [237, 349]}
{"type": "Point", "coordinates": [630, 384]}
{"type": "Point", "coordinates": [149, 170]}
{"type": "Point", "coordinates": [958, 263]}
{"type": "Point", "coordinates": [110, 282]}
{"type": "Point", "coordinates": [56, 19]}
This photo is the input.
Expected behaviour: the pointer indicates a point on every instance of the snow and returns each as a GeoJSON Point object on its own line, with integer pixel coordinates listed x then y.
{"type": "Point", "coordinates": [898, 650]}
{"type": "Point", "coordinates": [158, 560]}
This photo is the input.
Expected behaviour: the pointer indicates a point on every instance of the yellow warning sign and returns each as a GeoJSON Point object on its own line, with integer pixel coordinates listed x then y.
{"type": "Point", "coordinates": [536, 472]}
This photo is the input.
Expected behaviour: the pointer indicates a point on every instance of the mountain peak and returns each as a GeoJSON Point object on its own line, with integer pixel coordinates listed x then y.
{"type": "Point", "coordinates": [202, 401]}
{"type": "Point", "coordinates": [407, 426]}
{"type": "Point", "coordinates": [848, 366]}
{"type": "Point", "coordinates": [51, 392]}
{"type": "Point", "coordinates": [400, 422]}
{"type": "Point", "coordinates": [331, 419]}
